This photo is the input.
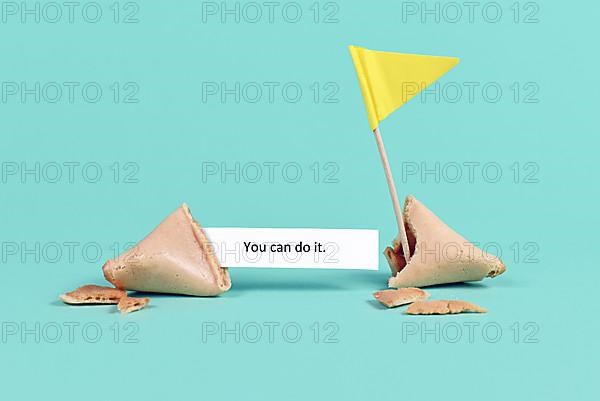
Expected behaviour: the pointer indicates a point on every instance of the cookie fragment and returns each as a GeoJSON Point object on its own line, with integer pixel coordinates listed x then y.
{"type": "Point", "coordinates": [401, 296]}
{"type": "Point", "coordinates": [93, 294]}
{"type": "Point", "coordinates": [443, 308]}
{"type": "Point", "coordinates": [131, 304]}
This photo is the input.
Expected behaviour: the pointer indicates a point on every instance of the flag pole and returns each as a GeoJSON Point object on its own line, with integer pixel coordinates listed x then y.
{"type": "Point", "coordinates": [394, 195]}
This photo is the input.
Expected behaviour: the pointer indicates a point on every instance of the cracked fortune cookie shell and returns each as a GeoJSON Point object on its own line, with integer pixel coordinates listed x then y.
{"type": "Point", "coordinates": [175, 258]}
{"type": "Point", "coordinates": [439, 254]}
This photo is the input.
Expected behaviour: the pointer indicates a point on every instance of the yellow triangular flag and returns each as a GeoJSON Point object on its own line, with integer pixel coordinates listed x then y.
{"type": "Point", "coordinates": [388, 80]}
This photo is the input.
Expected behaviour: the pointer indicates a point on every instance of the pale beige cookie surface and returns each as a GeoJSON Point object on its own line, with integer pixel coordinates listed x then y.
{"type": "Point", "coordinates": [93, 294]}
{"type": "Point", "coordinates": [443, 308]}
{"type": "Point", "coordinates": [175, 258]}
{"type": "Point", "coordinates": [131, 304]}
{"type": "Point", "coordinates": [401, 296]}
{"type": "Point", "coordinates": [439, 255]}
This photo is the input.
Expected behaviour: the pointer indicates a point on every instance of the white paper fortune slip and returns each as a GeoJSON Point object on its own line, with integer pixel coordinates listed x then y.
{"type": "Point", "coordinates": [296, 247]}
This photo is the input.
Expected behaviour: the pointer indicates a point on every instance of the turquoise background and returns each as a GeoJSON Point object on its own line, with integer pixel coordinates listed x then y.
{"type": "Point", "coordinates": [170, 132]}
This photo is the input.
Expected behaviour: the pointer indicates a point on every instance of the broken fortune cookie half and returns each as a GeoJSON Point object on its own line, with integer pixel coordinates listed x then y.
{"type": "Point", "coordinates": [175, 258]}
{"type": "Point", "coordinates": [439, 255]}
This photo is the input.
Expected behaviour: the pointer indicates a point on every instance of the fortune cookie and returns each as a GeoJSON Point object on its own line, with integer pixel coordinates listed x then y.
{"type": "Point", "coordinates": [439, 255]}
{"type": "Point", "coordinates": [175, 258]}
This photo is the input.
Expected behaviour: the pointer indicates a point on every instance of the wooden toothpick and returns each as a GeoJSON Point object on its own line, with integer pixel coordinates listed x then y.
{"type": "Point", "coordinates": [394, 195]}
